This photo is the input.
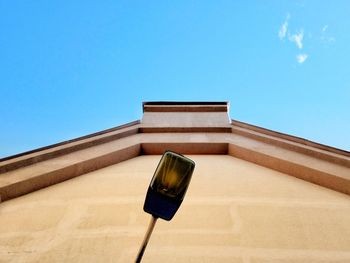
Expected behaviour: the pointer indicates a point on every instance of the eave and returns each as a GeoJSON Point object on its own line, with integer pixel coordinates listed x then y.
{"type": "Point", "coordinates": [309, 161]}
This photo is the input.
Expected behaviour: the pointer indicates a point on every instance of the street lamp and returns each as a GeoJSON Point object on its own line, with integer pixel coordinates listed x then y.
{"type": "Point", "coordinates": [166, 190]}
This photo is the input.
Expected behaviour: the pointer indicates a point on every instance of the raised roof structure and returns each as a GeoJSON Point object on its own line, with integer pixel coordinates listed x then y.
{"type": "Point", "coordinates": [256, 196]}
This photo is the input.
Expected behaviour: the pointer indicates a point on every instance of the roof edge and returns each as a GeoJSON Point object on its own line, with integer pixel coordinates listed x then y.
{"type": "Point", "coordinates": [291, 138]}
{"type": "Point", "coordinates": [70, 141]}
{"type": "Point", "coordinates": [185, 103]}
{"type": "Point", "coordinates": [191, 106]}
{"type": "Point", "coordinates": [55, 150]}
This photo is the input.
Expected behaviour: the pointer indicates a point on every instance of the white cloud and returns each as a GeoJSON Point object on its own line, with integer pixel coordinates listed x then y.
{"type": "Point", "coordinates": [325, 37]}
{"type": "Point", "coordinates": [284, 28]}
{"type": "Point", "coordinates": [298, 38]}
{"type": "Point", "coordinates": [301, 58]}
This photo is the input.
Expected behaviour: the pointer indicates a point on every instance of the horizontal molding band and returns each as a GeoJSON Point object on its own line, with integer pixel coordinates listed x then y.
{"type": "Point", "coordinates": [300, 171]}
{"type": "Point", "coordinates": [290, 138]}
{"type": "Point", "coordinates": [296, 147]}
{"type": "Point", "coordinates": [184, 148]}
{"type": "Point", "coordinates": [68, 147]}
{"type": "Point", "coordinates": [184, 129]}
{"type": "Point", "coordinates": [57, 176]}
{"type": "Point", "coordinates": [185, 108]}
{"type": "Point", "coordinates": [303, 172]}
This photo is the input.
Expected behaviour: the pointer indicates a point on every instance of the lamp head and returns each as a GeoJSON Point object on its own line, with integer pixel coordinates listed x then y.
{"type": "Point", "coordinates": [168, 185]}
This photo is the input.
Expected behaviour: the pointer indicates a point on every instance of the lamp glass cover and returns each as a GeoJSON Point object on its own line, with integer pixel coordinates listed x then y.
{"type": "Point", "coordinates": [172, 175]}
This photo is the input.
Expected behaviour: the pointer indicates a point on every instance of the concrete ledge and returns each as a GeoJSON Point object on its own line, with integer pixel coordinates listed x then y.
{"type": "Point", "coordinates": [289, 138]}
{"type": "Point", "coordinates": [303, 172]}
{"type": "Point", "coordinates": [184, 148]}
{"type": "Point", "coordinates": [40, 169]}
{"type": "Point", "coordinates": [184, 129]}
{"type": "Point", "coordinates": [320, 153]}
{"type": "Point", "coordinates": [185, 106]}
{"type": "Point", "coordinates": [45, 179]}
{"type": "Point", "coordinates": [53, 151]}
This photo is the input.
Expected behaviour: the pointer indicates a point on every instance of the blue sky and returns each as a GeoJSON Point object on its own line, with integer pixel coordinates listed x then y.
{"type": "Point", "coordinates": [70, 68]}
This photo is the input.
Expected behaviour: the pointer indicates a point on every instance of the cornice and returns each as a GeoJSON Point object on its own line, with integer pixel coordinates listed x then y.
{"type": "Point", "coordinates": [307, 166]}
{"type": "Point", "coordinates": [53, 151]}
{"type": "Point", "coordinates": [309, 161]}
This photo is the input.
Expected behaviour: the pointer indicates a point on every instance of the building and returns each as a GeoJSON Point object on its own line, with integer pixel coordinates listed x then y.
{"type": "Point", "coordinates": [256, 195]}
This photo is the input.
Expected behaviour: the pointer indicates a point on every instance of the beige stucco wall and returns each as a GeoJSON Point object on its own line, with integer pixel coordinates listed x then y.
{"type": "Point", "coordinates": [234, 211]}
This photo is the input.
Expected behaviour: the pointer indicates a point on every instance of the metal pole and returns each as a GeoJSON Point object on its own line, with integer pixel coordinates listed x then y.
{"type": "Point", "coordinates": [146, 238]}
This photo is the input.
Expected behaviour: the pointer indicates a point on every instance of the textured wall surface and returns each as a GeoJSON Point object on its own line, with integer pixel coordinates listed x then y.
{"type": "Point", "coordinates": [234, 211]}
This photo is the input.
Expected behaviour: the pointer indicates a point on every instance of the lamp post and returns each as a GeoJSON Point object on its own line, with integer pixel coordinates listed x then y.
{"type": "Point", "coordinates": [166, 190]}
